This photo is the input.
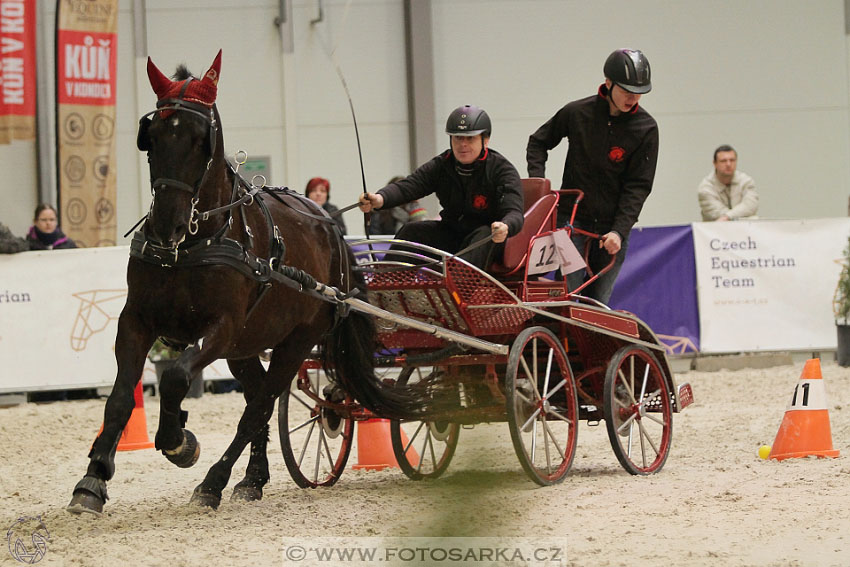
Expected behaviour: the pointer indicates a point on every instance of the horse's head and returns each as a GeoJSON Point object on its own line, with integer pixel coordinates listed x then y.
{"type": "Point", "coordinates": [184, 145]}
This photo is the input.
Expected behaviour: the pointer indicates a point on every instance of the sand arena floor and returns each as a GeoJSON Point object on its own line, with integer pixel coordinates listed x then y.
{"type": "Point", "coordinates": [714, 503]}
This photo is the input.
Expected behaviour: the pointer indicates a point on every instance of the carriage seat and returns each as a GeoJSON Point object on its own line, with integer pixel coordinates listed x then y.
{"type": "Point", "coordinates": [540, 216]}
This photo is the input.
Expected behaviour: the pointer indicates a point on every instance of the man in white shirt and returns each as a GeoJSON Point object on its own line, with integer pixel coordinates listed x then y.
{"type": "Point", "coordinates": [727, 194]}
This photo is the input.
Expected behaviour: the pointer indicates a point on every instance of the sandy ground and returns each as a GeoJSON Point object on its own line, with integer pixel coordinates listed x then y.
{"type": "Point", "coordinates": [714, 503]}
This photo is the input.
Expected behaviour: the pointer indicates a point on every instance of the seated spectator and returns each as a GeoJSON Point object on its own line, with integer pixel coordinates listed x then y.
{"type": "Point", "coordinates": [478, 188]}
{"type": "Point", "coordinates": [45, 234]}
{"type": "Point", "coordinates": [727, 194]}
{"type": "Point", "coordinates": [9, 243]}
{"type": "Point", "coordinates": [390, 221]}
{"type": "Point", "coordinates": [319, 191]}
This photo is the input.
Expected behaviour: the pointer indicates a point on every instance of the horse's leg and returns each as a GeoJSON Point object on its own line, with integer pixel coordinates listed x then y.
{"type": "Point", "coordinates": [286, 359]}
{"type": "Point", "coordinates": [131, 346]}
{"type": "Point", "coordinates": [250, 373]}
{"type": "Point", "coordinates": [179, 445]}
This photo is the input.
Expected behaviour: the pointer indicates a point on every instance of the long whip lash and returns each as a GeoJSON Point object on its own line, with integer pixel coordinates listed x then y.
{"type": "Point", "coordinates": [332, 55]}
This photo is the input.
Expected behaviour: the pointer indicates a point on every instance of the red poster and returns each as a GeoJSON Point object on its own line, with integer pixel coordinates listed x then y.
{"type": "Point", "coordinates": [17, 70]}
{"type": "Point", "coordinates": [86, 62]}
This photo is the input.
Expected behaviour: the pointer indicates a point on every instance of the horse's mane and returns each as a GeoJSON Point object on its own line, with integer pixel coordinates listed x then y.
{"type": "Point", "coordinates": [181, 73]}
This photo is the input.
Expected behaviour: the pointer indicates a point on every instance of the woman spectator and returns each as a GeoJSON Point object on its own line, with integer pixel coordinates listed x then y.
{"type": "Point", "coordinates": [319, 190]}
{"type": "Point", "coordinates": [45, 233]}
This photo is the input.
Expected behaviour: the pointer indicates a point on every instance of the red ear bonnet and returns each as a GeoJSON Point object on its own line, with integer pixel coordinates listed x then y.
{"type": "Point", "coordinates": [202, 91]}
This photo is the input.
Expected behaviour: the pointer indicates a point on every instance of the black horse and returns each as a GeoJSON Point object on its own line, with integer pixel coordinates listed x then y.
{"type": "Point", "coordinates": [228, 270]}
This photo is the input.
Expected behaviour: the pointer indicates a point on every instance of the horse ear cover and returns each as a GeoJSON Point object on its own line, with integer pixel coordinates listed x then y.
{"type": "Point", "coordinates": [202, 92]}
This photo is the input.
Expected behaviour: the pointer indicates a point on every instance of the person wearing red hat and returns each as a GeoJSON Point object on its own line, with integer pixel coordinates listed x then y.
{"type": "Point", "coordinates": [613, 150]}
{"type": "Point", "coordinates": [319, 191]}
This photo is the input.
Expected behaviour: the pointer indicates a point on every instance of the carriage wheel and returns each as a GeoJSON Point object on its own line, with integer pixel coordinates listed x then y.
{"type": "Point", "coordinates": [542, 405]}
{"type": "Point", "coordinates": [423, 449]}
{"type": "Point", "coordinates": [638, 410]}
{"type": "Point", "coordinates": [315, 441]}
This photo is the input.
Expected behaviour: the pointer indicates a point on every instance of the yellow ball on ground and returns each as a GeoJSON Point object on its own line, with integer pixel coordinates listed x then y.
{"type": "Point", "coordinates": [764, 451]}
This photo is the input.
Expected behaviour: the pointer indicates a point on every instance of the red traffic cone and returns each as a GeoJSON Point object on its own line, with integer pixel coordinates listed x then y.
{"type": "Point", "coordinates": [805, 430]}
{"type": "Point", "coordinates": [135, 434]}
{"type": "Point", "coordinates": [374, 447]}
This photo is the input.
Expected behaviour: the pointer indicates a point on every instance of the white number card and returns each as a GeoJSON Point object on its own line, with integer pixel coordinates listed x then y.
{"type": "Point", "coordinates": [554, 251]}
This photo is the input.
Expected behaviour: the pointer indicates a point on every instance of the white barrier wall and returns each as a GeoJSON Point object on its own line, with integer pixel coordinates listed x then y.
{"type": "Point", "coordinates": [58, 318]}
{"type": "Point", "coordinates": [762, 285]}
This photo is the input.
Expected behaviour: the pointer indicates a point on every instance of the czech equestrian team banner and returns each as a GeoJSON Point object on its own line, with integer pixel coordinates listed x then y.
{"type": "Point", "coordinates": [86, 44]}
{"type": "Point", "coordinates": [657, 283]}
{"type": "Point", "coordinates": [768, 285]}
{"type": "Point", "coordinates": [17, 70]}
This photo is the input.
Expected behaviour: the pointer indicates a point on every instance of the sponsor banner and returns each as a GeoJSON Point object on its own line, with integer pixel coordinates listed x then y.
{"type": "Point", "coordinates": [17, 70]}
{"type": "Point", "coordinates": [86, 77]}
{"type": "Point", "coordinates": [658, 284]}
{"type": "Point", "coordinates": [57, 330]}
{"type": "Point", "coordinates": [768, 285]}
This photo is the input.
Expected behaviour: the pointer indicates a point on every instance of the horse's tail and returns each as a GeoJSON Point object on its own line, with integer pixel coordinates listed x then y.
{"type": "Point", "coordinates": [349, 354]}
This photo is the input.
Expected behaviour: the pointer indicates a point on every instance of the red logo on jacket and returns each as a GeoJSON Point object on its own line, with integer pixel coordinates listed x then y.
{"type": "Point", "coordinates": [616, 154]}
{"type": "Point", "coordinates": [479, 202]}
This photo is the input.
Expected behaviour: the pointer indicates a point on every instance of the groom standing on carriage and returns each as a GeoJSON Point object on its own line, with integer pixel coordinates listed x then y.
{"type": "Point", "coordinates": [478, 188]}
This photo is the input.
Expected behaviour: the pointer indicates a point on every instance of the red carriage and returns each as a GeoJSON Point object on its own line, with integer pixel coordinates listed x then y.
{"type": "Point", "coordinates": [506, 347]}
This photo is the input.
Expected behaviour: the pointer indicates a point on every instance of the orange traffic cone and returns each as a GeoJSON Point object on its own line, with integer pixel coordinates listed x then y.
{"type": "Point", "coordinates": [374, 447]}
{"type": "Point", "coordinates": [805, 430]}
{"type": "Point", "coordinates": [135, 434]}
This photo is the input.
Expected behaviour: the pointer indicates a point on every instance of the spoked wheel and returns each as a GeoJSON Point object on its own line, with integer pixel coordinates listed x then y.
{"type": "Point", "coordinates": [315, 441]}
{"type": "Point", "coordinates": [638, 410]}
{"type": "Point", "coordinates": [423, 449]}
{"type": "Point", "coordinates": [542, 405]}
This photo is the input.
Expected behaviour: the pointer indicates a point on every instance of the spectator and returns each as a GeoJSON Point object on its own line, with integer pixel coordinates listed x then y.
{"type": "Point", "coordinates": [727, 194]}
{"type": "Point", "coordinates": [613, 149]}
{"type": "Point", "coordinates": [478, 188]}
{"type": "Point", "coordinates": [45, 234]}
{"type": "Point", "coordinates": [9, 243]}
{"type": "Point", "coordinates": [390, 221]}
{"type": "Point", "coordinates": [319, 191]}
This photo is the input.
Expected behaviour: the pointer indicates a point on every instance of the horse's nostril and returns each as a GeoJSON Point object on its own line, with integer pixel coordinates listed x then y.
{"type": "Point", "coordinates": [179, 234]}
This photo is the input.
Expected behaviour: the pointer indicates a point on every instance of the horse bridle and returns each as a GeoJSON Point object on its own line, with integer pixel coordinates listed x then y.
{"type": "Point", "coordinates": [207, 115]}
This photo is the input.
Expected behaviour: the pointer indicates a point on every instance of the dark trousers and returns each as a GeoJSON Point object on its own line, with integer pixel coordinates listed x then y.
{"type": "Point", "coordinates": [442, 236]}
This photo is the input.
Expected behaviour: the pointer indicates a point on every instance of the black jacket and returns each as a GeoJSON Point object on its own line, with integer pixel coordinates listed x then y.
{"type": "Point", "coordinates": [491, 193]}
{"type": "Point", "coordinates": [611, 158]}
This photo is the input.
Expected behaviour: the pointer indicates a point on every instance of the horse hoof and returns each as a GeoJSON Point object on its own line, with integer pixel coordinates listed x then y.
{"type": "Point", "coordinates": [187, 453]}
{"type": "Point", "coordinates": [89, 497]}
{"type": "Point", "coordinates": [205, 499]}
{"type": "Point", "coordinates": [246, 493]}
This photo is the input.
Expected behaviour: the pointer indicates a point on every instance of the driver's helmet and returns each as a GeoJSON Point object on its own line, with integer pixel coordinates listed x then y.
{"type": "Point", "coordinates": [629, 68]}
{"type": "Point", "coordinates": [468, 120]}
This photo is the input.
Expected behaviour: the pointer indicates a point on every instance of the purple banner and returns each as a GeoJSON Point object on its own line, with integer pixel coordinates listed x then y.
{"type": "Point", "coordinates": [658, 284]}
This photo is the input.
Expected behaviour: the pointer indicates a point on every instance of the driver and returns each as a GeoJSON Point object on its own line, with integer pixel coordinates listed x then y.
{"type": "Point", "coordinates": [478, 188]}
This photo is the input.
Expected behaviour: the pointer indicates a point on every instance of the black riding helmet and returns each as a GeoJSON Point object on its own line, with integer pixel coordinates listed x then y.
{"type": "Point", "coordinates": [629, 68]}
{"type": "Point", "coordinates": [468, 120]}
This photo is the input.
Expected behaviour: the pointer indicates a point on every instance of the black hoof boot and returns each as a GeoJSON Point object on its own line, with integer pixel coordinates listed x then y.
{"type": "Point", "coordinates": [89, 497]}
{"type": "Point", "coordinates": [205, 499]}
{"type": "Point", "coordinates": [187, 453]}
{"type": "Point", "coordinates": [247, 492]}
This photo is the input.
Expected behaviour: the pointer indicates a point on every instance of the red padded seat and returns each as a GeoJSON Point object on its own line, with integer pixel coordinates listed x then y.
{"type": "Point", "coordinates": [540, 216]}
